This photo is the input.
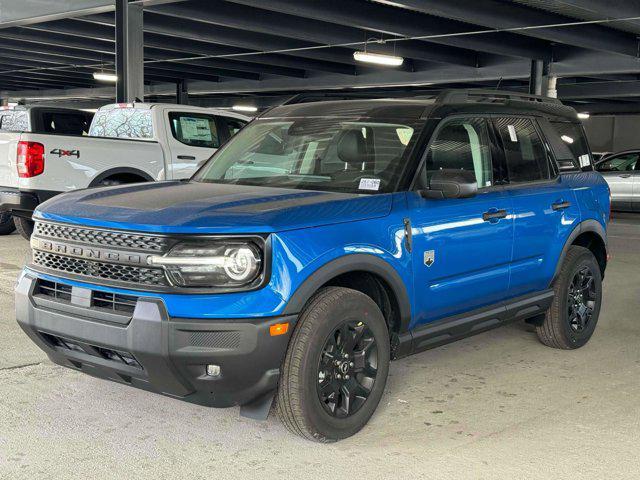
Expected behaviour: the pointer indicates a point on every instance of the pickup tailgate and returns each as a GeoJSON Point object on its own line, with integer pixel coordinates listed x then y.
{"type": "Point", "coordinates": [73, 162]}
{"type": "Point", "coordinates": [8, 150]}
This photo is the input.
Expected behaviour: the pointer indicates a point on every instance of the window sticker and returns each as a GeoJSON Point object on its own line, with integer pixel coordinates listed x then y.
{"type": "Point", "coordinates": [584, 160]}
{"type": "Point", "coordinates": [369, 184]}
{"type": "Point", "coordinates": [194, 128]}
{"type": "Point", "coordinates": [512, 133]}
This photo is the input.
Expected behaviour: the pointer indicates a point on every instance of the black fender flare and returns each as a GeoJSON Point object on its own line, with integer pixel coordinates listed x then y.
{"type": "Point", "coordinates": [115, 171]}
{"type": "Point", "coordinates": [353, 263]}
{"type": "Point", "coordinates": [583, 227]}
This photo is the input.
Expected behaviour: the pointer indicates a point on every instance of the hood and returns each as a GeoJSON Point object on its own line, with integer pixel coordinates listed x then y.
{"type": "Point", "coordinates": [192, 207]}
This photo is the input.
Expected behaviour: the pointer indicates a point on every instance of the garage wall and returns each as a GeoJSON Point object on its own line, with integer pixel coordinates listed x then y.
{"type": "Point", "coordinates": [612, 133]}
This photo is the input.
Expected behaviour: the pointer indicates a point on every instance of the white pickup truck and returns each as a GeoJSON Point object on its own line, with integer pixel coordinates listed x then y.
{"type": "Point", "coordinates": [126, 143]}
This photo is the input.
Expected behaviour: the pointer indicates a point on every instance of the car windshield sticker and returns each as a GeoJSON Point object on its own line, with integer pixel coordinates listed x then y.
{"type": "Point", "coordinates": [369, 184]}
{"type": "Point", "coordinates": [584, 160]}
{"type": "Point", "coordinates": [512, 133]}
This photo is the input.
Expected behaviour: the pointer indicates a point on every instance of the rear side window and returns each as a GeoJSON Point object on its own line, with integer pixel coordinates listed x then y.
{"type": "Point", "coordinates": [462, 144]}
{"type": "Point", "coordinates": [571, 134]}
{"type": "Point", "coordinates": [525, 154]}
{"type": "Point", "coordinates": [133, 123]}
{"type": "Point", "coordinates": [194, 129]}
{"type": "Point", "coordinates": [234, 125]}
{"type": "Point", "coordinates": [65, 123]}
{"type": "Point", "coordinates": [622, 163]}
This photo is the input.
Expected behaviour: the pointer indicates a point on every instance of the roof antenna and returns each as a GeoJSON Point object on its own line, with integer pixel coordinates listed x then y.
{"type": "Point", "coordinates": [499, 82]}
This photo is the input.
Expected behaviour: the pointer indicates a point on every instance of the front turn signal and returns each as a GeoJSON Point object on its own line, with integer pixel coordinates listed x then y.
{"type": "Point", "coordinates": [278, 329]}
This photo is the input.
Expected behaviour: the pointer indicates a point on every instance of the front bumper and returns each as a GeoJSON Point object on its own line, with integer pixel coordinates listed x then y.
{"type": "Point", "coordinates": [151, 351]}
{"type": "Point", "coordinates": [23, 202]}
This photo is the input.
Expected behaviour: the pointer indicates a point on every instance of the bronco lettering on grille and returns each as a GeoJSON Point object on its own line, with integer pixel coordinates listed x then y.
{"type": "Point", "coordinates": [88, 252]}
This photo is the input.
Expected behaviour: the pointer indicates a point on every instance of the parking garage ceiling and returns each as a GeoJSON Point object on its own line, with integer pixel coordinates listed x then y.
{"type": "Point", "coordinates": [262, 49]}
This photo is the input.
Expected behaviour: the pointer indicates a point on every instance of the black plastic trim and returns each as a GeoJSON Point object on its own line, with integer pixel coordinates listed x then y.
{"type": "Point", "coordinates": [583, 227]}
{"type": "Point", "coordinates": [171, 353]}
{"type": "Point", "coordinates": [22, 203]}
{"type": "Point", "coordinates": [457, 327]}
{"type": "Point", "coordinates": [353, 263]}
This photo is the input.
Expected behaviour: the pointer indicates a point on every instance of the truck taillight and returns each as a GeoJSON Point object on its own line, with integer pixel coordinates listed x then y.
{"type": "Point", "coordinates": [30, 159]}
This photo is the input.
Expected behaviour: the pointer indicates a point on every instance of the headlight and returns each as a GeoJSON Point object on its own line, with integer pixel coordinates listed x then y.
{"type": "Point", "coordinates": [233, 263]}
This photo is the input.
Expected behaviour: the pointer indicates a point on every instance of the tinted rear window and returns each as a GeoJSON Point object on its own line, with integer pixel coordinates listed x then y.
{"type": "Point", "coordinates": [65, 123]}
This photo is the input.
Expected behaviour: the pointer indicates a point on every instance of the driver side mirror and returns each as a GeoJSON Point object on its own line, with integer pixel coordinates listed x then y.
{"type": "Point", "coordinates": [450, 184]}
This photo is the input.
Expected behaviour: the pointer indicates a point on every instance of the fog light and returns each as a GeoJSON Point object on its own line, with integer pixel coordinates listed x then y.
{"type": "Point", "coordinates": [213, 370]}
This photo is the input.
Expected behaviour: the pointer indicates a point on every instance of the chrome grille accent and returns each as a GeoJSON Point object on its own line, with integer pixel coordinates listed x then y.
{"type": "Point", "coordinates": [104, 270]}
{"type": "Point", "coordinates": [107, 238]}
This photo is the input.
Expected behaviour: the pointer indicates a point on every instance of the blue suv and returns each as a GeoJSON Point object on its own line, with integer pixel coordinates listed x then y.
{"type": "Point", "coordinates": [324, 240]}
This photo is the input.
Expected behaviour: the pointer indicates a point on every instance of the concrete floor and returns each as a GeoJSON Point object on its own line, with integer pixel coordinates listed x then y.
{"type": "Point", "coordinates": [496, 406]}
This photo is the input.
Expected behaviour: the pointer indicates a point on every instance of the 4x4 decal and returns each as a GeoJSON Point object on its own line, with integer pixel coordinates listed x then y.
{"type": "Point", "coordinates": [65, 153]}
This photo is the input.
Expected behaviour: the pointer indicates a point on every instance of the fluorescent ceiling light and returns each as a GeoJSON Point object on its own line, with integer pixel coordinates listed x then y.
{"type": "Point", "coordinates": [378, 58]}
{"type": "Point", "coordinates": [105, 77]}
{"type": "Point", "coordinates": [244, 108]}
{"type": "Point", "coordinates": [583, 115]}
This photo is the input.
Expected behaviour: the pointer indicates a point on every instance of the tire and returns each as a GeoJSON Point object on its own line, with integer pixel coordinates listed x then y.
{"type": "Point", "coordinates": [7, 226]}
{"type": "Point", "coordinates": [566, 325]}
{"type": "Point", "coordinates": [24, 227]}
{"type": "Point", "coordinates": [109, 182]}
{"type": "Point", "coordinates": [332, 315]}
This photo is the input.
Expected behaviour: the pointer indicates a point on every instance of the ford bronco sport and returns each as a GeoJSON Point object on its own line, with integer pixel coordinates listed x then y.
{"type": "Point", "coordinates": [324, 240]}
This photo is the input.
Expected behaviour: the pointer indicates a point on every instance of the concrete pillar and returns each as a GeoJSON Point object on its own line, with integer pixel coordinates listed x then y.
{"type": "Point", "coordinates": [538, 77]}
{"type": "Point", "coordinates": [182, 93]}
{"type": "Point", "coordinates": [129, 52]}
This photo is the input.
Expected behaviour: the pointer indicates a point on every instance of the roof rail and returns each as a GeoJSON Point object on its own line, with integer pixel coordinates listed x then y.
{"type": "Point", "coordinates": [320, 96]}
{"type": "Point", "coordinates": [479, 95]}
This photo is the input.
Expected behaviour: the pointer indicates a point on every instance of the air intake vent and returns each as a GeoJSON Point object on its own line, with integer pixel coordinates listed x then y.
{"type": "Point", "coordinates": [121, 304]}
{"type": "Point", "coordinates": [54, 290]}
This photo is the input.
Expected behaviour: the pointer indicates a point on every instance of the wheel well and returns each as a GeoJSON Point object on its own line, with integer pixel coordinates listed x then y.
{"type": "Point", "coordinates": [125, 178]}
{"type": "Point", "coordinates": [377, 289]}
{"type": "Point", "coordinates": [593, 242]}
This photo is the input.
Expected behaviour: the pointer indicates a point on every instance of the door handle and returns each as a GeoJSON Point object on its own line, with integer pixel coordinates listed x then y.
{"type": "Point", "coordinates": [560, 205]}
{"type": "Point", "coordinates": [186, 157]}
{"type": "Point", "coordinates": [494, 215]}
{"type": "Point", "coordinates": [624, 175]}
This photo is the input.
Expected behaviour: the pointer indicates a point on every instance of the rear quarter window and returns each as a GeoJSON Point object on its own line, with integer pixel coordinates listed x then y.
{"type": "Point", "coordinates": [573, 137]}
{"type": "Point", "coordinates": [133, 123]}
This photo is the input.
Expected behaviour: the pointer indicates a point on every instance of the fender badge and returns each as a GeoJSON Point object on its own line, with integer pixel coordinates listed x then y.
{"type": "Point", "coordinates": [429, 257]}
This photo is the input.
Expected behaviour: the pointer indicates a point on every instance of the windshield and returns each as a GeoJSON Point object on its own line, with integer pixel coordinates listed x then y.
{"type": "Point", "coordinates": [134, 123]}
{"type": "Point", "coordinates": [329, 154]}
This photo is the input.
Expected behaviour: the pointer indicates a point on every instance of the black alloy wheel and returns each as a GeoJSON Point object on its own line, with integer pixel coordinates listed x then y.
{"type": "Point", "coordinates": [347, 369]}
{"type": "Point", "coordinates": [581, 299]}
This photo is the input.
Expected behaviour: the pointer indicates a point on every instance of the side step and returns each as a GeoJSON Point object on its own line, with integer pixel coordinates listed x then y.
{"type": "Point", "coordinates": [457, 327]}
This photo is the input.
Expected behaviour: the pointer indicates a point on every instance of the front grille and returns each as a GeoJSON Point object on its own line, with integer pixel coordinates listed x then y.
{"type": "Point", "coordinates": [107, 238]}
{"type": "Point", "coordinates": [95, 269]}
